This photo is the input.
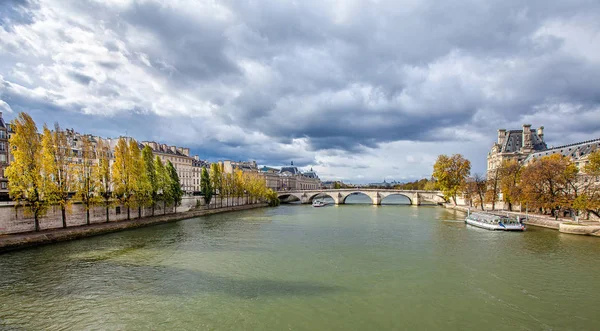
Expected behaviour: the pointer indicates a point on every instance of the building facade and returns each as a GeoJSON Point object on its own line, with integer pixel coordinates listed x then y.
{"type": "Point", "coordinates": [181, 160]}
{"type": "Point", "coordinates": [4, 158]}
{"type": "Point", "coordinates": [577, 152]}
{"type": "Point", "coordinates": [528, 144]}
{"type": "Point", "coordinates": [515, 145]}
{"type": "Point", "coordinates": [291, 178]}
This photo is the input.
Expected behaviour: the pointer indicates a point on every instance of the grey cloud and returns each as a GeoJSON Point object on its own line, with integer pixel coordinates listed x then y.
{"type": "Point", "coordinates": [346, 77]}
{"type": "Point", "coordinates": [81, 78]}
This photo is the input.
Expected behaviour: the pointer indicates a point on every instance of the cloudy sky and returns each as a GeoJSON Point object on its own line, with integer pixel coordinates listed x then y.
{"type": "Point", "coordinates": [359, 90]}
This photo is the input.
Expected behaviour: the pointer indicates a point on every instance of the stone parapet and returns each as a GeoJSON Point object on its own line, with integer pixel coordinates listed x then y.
{"type": "Point", "coordinates": [580, 229]}
{"type": "Point", "coordinates": [18, 241]}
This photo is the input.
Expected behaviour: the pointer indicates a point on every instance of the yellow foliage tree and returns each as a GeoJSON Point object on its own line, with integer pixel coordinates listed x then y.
{"type": "Point", "coordinates": [26, 184]}
{"type": "Point", "coordinates": [123, 181]}
{"type": "Point", "coordinates": [451, 173]}
{"type": "Point", "coordinates": [88, 179]}
{"type": "Point", "coordinates": [510, 175]}
{"type": "Point", "coordinates": [57, 169]}
{"type": "Point", "coordinates": [141, 186]}
{"type": "Point", "coordinates": [104, 175]}
{"type": "Point", "coordinates": [546, 182]}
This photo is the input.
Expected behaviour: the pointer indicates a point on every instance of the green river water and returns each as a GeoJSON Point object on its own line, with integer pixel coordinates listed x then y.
{"type": "Point", "coordinates": [295, 267]}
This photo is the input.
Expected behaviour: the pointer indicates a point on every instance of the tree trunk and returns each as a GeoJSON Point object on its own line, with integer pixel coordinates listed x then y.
{"type": "Point", "coordinates": [153, 204]}
{"type": "Point", "coordinates": [36, 222]}
{"type": "Point", "coordinates": [164, 207]}
{"type": "Point", "coordinates": [510, 206]}
{"type": "Point", "coordinates": [64, 216]}
{"type": "Point", "coordinates": [87, 215]}
{"type": "Point", "coordinates": [139, 211]}
{"type": "Point", "coordinates": [107, 214]}
{"type": "Point", "coordinates": [454, 199]}
{"type": "Point", "coordinates": [128, 213]}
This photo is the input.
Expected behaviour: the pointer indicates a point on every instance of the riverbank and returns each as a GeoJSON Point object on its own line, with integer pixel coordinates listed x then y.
{"type": "Point", "coordinates": [12, 242]}
{"type": "Point", "coordinates": [562, 225]}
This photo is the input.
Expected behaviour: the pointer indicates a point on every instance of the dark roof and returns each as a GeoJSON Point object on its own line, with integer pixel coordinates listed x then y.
{"type": "Point", "coordinates": [2, 124]}
{"type": "Point", "coordinates": [292, 170]}
{"type": "Point", "coordinates": [310, 174]}
{"type": "Point", "coordinates": [575, 151]}
{"type": "Point", "coordinates": [200, 163]}
{"type": "Point", "coordinates": [513, 141]}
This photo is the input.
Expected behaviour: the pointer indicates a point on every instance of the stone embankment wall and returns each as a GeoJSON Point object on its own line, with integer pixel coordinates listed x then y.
{"type": "Point", "coordinates": [29, 239]}
{"type": "Point", "coordinates": [15, 220]}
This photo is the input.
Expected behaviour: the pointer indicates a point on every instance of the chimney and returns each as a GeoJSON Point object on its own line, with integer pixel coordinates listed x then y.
{"type": "Point", "coordinates": [196, 157]}
{"type": "Point", "coordinates": [526, 133]}
{"type": "Point", "coordinates": [501, 136]}
{"type": "Point", "coordinates": [186, 151]}
{"type": "Point", "coordinates": [173, 149]}
{"type": "Point", "coordinates": [540, 132]}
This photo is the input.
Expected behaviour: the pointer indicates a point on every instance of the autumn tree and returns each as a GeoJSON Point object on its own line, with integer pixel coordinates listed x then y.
{"type": "Point", "coordinates": [493, 187]}
{"type": "Point", "coordinates": [239, 183]}
{"type": "Point", "coordinates": [545, 182]}
{"type": "Point", "coordinates": [142, 190]}
{"type": "Point", "coordinates": [57, 167]}
{"type": "Point", "coordinates": [122, 175]}
{"type": "Point", "coordinates": [481, 188]}
{"type": "Point", "coordinates": [176, 191]}
{"type": "Point", "coordinates": [25, 181]}
{"type": "Point", "coordinates": [206, 186]}
{"type": "Point", "coordinates": [216, 179]}
{"type": "Point", "coordinates": [591, 200]}
{"type": "Point", "coordinates": [151, 175]}
{"type": "Point", "coordinates": [510, 174]}
{"type": "Point", "coordinates": [88, 181]}
{"type": "Point", "coordinates": [163, 183]}
{"type": "Point", "coordinates": [451, 174]}
{"type": "Point", "coordinates": [104, 175]}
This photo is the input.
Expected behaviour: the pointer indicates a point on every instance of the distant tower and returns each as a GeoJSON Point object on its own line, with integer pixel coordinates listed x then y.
{"type": "Point", "coordinates": [292, 162]}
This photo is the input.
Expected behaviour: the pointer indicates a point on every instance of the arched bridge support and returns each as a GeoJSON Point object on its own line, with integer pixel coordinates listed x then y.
{"type": "Point", "coordinates": [415, 201]}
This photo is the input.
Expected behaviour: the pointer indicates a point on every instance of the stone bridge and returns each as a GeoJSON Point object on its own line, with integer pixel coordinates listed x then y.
{"type": "Point", "coordinates": [377, 195]}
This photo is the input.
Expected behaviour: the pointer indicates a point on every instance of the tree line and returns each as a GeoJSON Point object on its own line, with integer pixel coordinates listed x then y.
{"type": "Point", "coordinates": [548, 184]}
{"type": "Point", "coordinates": [419, 185]}
{"type": "Point", "coordinates": [45, 172]}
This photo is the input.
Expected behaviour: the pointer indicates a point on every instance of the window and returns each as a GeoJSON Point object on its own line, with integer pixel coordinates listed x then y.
{"type": "Point", "coordinates": [2, 145]}
{"type": "Point", "coordinates": [2, 158]}
{"type": "Point", "coordinates": [2, 134]}
{"type": "Point", "coordinates": [3, 185]}
{"type": "Point", "coordinates": [118, 210]}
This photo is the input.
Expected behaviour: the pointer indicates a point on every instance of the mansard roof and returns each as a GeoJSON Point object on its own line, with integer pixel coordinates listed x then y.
{"type": "Point", "coordinates": [574, 151]}
{"type": "Point", "coordinates": [514, 141]}
{"type": "Point", "coordinates": [200, 163]}
{"type": "Point", "coordinates": [292, 170]}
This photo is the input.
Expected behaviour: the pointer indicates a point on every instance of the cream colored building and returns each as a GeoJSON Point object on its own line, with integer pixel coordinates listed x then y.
{"type": "Point", "coordinates": [528, 144]}
{"type": "Point", "coordinates": [4, 158]}
{"type": "Point", "coordinates": [515, 145]}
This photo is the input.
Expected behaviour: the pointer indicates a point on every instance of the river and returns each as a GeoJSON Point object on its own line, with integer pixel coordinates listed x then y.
{"type": "Point", "coordinates": [295, 267]}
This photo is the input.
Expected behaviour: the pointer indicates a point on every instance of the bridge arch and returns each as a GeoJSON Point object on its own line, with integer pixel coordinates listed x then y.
{"type": "Point", "coordinates": [312, 197]}
{"type": "Point", "coordinates": [385, 196]}
{"type": "Point", "coordinates": [285, 198]}
{"type": "Point", "coordinates": [355, 193]}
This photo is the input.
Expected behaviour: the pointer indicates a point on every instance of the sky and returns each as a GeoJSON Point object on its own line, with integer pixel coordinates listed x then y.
{"type": "Point", "coordinates": [360, 91]}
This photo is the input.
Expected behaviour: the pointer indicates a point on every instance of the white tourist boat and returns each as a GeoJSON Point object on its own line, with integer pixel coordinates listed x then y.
{"type": "Point", "coordinates": [319, 203]}
{"type": "Point", "coordinates": [491, 221]}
